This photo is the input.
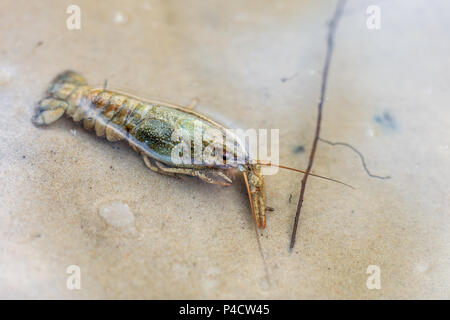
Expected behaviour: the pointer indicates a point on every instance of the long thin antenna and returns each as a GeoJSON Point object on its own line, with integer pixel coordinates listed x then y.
{"type": "Point", "coordinates": [302, 171]}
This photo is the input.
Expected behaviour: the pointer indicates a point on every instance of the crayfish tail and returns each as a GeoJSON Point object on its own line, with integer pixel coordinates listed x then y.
{"type": "Point", "coordinates": [55, 104]}
{"type": "Point", "coordinates": [64, 78]}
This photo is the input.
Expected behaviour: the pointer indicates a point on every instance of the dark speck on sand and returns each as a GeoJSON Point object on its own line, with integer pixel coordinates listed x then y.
{"type": "Point", "coordinates": [299, 149]}
{"type": "Point", "coordinates": [386, 120]}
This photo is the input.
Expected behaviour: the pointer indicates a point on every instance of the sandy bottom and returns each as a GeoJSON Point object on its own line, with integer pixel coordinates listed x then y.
{"type": "Point", "coordinates": [69, 198]}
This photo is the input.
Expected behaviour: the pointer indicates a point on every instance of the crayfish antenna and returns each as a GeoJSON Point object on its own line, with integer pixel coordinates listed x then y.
{"type": "Point", "coordinates": [302, 171]}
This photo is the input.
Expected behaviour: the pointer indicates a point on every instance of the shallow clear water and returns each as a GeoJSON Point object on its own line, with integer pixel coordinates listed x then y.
{"type": "Point", "coordinates": [70, 198]}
